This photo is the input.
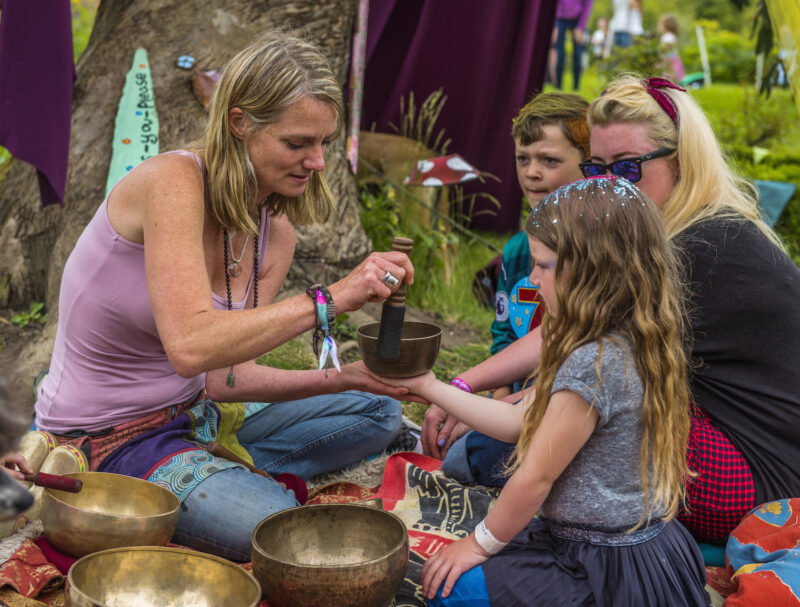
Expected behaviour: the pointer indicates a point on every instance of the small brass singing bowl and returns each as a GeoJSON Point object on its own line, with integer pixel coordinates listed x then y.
{"type": "Point", "coordinates": [419, 349]}
{"type": "Point", "coordinates": [149, 576]}
{"type": "Point", "coordinates": [110, 511]}
{"type": "Point", "coordinates": [346, 555]}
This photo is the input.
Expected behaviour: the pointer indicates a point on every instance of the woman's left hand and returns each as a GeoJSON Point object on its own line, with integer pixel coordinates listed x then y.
{"type": "Point", "coordinates": [449, 563]}
{"type": "Point", "coordinates": [356, 377]}
{"type": "Point", "coordinates": [412, 383]}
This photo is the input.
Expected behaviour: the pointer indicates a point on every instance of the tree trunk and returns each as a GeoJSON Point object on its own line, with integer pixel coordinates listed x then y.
{"type": "Point", "coordinates": [35, 241]}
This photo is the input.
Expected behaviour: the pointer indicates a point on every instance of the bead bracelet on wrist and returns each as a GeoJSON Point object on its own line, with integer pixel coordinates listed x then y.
{"type": "Point", "coordinates": [324, 316]}
{"type": "Point", "coordinates": [461, 384]}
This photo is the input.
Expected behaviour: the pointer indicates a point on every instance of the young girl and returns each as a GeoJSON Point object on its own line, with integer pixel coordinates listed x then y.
{"type": "Point", "coordinates": [671, 63]}
{"type": "Point", "coordinates": [601, 440]}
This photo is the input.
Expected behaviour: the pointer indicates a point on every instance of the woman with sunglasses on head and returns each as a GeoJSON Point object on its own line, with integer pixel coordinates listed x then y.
{"type": "Point", "coordinates": [744, 442]}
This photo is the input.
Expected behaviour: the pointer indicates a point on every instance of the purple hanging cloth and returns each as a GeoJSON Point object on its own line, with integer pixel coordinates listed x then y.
{"type": "Point", "coordinates": [490, 58]}
{"type": "Point", "coordinates": [36, 76]}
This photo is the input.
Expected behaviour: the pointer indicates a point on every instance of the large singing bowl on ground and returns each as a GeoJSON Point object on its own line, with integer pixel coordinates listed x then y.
{"type": "Point", "coordinates": [148, 576]}
{"type": "Point", "coordinates": [345, 555]}
{"type": "Point", "coordinates": [419, 348]}
{"type": "Point", "coordinates": [111, 511]}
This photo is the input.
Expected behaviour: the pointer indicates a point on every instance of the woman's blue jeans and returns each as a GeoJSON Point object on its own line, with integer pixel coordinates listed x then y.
{"type": "Point", "coordinates": [305, 437]}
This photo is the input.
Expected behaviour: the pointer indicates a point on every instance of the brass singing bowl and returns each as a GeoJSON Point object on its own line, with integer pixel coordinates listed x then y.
{"type": "Point", "coordinates": [148, 576]}
{"type": "Point", "coordinates": [346, 555]}
{"type": "Point", "coordinates": [110, 511]}
{"type": "Point", "coordinates": [419, 348]}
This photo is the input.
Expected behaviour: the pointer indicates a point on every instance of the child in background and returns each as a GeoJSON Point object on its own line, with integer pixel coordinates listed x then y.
{"type": "Point", "coordinates": [551, 137]}
{"type": "Point", "coordinates": [668, 30]}
{"type": "Point", "coordinates": [601, 440]}
{"type": "Point", "coordinates": [598, 40]}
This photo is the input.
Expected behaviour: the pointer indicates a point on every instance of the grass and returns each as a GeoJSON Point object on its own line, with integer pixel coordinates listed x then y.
{"type": "Point", "coordinates": [450, 296]}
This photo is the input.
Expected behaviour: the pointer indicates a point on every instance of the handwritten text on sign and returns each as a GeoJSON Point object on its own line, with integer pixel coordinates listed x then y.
{"type": "Point", "coordinates": [136, 126]}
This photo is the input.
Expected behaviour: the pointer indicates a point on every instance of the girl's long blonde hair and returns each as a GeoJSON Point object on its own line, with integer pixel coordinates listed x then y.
{"type": "Point", "coordinates": [617, 275]}
{"type": "Point", "coordinates": [707, 185]}
{"type": "Point", "coordinates": [264, 79]}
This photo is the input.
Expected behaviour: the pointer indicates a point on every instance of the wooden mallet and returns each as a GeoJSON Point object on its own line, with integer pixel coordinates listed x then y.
{"type": "Point", "coordinates": [393, 312]}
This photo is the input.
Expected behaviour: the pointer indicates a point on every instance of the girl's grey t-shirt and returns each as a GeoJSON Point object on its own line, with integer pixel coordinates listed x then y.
{"type": "Point", "coordinates": [601, 487]}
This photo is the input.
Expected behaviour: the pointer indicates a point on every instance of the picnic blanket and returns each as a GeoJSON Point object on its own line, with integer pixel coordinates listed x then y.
{"type": "Point", "coordinates": [436, 511]}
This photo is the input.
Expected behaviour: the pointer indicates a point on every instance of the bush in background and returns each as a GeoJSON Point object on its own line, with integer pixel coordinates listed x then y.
{"type": "Point", "coordinates": [731, 55]}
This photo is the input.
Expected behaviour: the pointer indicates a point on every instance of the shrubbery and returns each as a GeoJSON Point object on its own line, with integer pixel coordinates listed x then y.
{"type": "Point", "coordinates": [731, 56]}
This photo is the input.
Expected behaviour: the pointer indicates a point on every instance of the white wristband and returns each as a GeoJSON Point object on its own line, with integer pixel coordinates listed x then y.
{"type": "Point", "coordinates": [486, 540]}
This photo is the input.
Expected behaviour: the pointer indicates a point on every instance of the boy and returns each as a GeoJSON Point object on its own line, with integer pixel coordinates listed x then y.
{"type": "Point", "coordinates": [551, 138]}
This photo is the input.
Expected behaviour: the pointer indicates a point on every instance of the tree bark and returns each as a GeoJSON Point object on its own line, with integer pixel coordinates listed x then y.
{"type": "Point", "coordinates": [35, 242]}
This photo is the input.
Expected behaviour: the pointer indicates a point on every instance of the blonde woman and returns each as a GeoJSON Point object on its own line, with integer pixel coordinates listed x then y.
{"type": "Point", "coordinates": [167, 299]}
{"type": "Point", "coordinates": [743, 292]}
{"type": "Point", "coordinates": [601, 439]}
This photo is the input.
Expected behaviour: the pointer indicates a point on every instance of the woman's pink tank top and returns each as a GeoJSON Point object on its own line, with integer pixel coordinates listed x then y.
{"type": "Point", "coordinates": [109, 365]}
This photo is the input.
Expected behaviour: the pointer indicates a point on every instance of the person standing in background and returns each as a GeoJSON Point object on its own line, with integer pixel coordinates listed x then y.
{"type": "Point", "coordinates": [571, 15]}
{"type": "Point", "coordinates": [635, 23]}
{"type": "Point", "coordinates": [620, 25]}
{"type": "Point", "coordinates": [668, 42]}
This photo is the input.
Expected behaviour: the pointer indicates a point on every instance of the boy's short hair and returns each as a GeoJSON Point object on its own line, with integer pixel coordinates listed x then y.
{"type": "Point", "coordinates": [564, 109]}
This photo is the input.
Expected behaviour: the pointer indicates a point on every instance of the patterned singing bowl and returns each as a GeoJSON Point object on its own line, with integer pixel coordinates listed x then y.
{"type": "Point", "coordinates": [110, 511]}
{"type": "Point", "coordinates": [419, 349]}
{"type": "Point", "coordinates": [346, 555]}
{"type": "Point", "coordinates": [150, 576]}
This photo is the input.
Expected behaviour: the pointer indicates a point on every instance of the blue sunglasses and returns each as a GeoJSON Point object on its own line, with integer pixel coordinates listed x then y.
{"type": "Point", "coordinates": [628, 168]}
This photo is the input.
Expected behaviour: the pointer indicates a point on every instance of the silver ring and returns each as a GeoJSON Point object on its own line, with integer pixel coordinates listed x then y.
{"type": "Point", "coordinates": [390, 280]}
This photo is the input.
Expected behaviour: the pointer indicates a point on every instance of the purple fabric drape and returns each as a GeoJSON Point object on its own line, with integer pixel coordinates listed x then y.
{"type": "Point", "coordinates": [490, 58]}
{"type": "Point", "coordinates": [36, 76]}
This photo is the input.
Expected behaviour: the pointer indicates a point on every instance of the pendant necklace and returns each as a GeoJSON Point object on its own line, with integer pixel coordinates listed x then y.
{"type": "Point", "coordinates": [233, 269]}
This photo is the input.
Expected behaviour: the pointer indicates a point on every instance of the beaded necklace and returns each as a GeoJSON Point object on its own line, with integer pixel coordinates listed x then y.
{"type": "Point", "coordinates": [226, 244]}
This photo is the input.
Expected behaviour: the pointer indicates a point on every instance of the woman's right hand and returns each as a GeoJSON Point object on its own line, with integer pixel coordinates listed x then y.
{"type": "Point", "coordinates": [364, 283]}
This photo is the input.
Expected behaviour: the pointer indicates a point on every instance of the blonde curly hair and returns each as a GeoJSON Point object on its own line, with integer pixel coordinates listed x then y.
{"type": "Point", "coordinates": [617, 275]}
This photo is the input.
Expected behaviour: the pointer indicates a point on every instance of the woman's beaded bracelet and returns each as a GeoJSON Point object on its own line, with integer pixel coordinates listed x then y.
{"type": "Point", "coordinates": [312, 293]}
{"type": "Point", "coordinates": [486, 540]}
{"type": "Point", "coordinates": [461, 384]}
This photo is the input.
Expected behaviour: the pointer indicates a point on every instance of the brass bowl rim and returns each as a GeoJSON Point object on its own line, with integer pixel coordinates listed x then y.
{"type": "Point", "coordinates": [389, 552]}
{"type": "Point", "coordinates": [50, 495]}
{"type": "Point", "coordinates": [434, 334]}
{"type": "Point", "coordinates": [230, 565]}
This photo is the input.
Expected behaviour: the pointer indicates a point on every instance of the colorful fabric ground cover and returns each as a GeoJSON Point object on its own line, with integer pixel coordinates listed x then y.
{"type": "Point", "coordinates": [436, 511]}
{"type": "Point", "coordinates": [763, 554]}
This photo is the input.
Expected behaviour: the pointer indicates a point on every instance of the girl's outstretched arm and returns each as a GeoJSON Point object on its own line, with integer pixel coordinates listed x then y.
{"type": "Point", "coordinates": [495, 418]}
{"type": "Point", "coordinates": [567, 424]}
